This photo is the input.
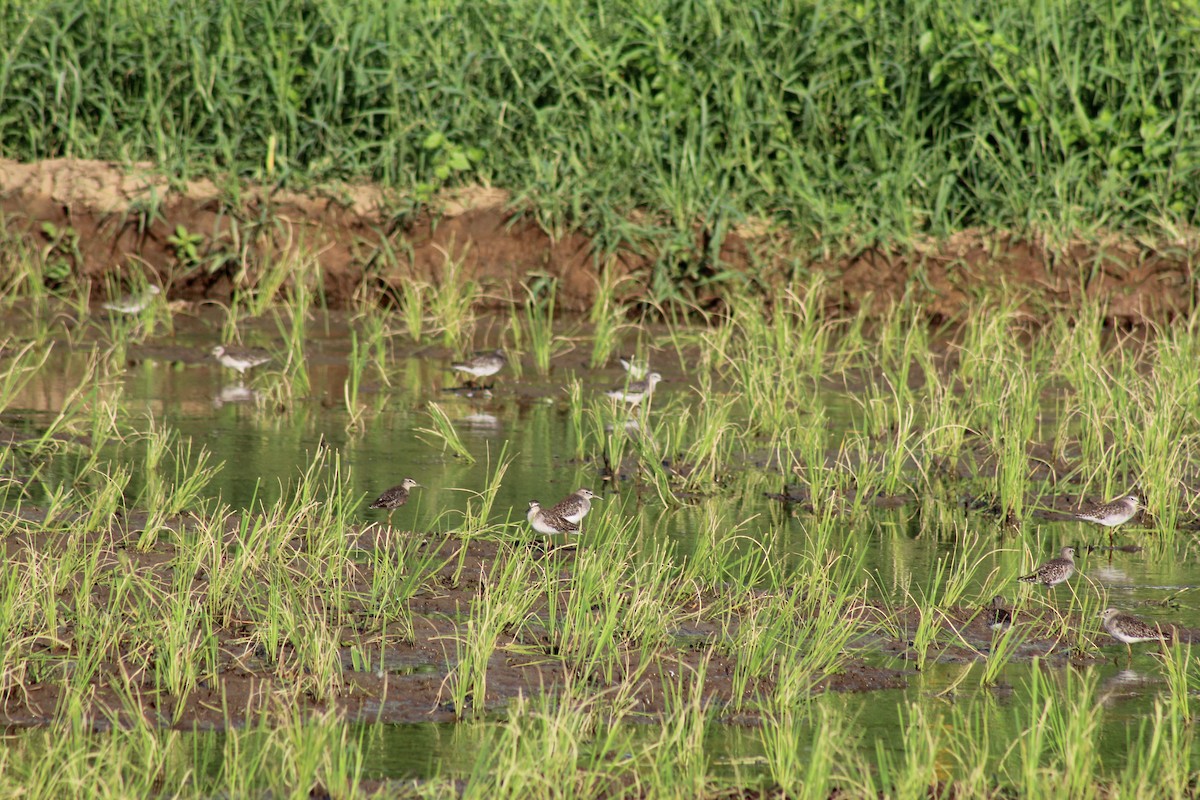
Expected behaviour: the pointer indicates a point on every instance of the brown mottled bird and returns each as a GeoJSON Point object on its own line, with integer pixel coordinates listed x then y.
{"type": "Point", "coordinates": [1130, 630]}
{"type": "Point", "coordinates": [636, 392]}
{"type": "Point", "coordinates": [394, 497]}
{"type": "Point", "coordinates": [481, 365]}
{"type": "Point", "coordinates": [574, 507]}
{"type": "Point", "coordinates": [133, 303]}
{"type": "Point", "coordinates": [240, 358]}
{"type": "Point", "coordinates": [564, 516]}
{"type": "Point", "coordinates": [544, 520]}
{"type": "Point", "coordinates": [1111, 514]}
{"type": "Point", "coordinates": [1054, 571]}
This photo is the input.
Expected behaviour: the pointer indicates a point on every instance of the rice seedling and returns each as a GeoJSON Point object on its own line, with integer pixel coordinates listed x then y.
{"type": "Point", "coordinates": [24, 365]}
{"type": "Point", "coordinates": [915, 774]}
{"type": "Point", "coordinates": [800, 771]}
{"type": "Point", "coordinates": [941, 445]}
{"type": "Point", "coordinates": [1005, 644]}
{"type": "Point", "coordinates": [817, 650]}
{"type": "Point", "coordinates": [165, 451]}
{"type": "Point", "coordinates": [357, 364]}
{"type": "Point", "coordinates": [1160, 751]}
{"type": "Point", "coordinates": [294, 333]}
{"type": "Point", "coordinates": [970, 749]}
{"type": "Point", "coordinates": [442, 431]}
{"type": "Point", "coordinates": [677, 758]}
{"type": "Point", "coordinates": [288, 268]}
{"type": "Point", "coordinates": [902, 338]}
{"type": "Point", "coordinates": [606, 316]}
{"type": "Point", "coordinates": [713, 434]}
{"type": "Point", "coordinates": [185, 651]}
{"type": "Point", "coordinates": [33, 276]}
{"type": "Point", "coordinates": [1178, 669]}
{"type": "Point", "coordinates": [477, 517]}
{"type": "Point", "coordinates": [412, 307]}
{"type": "Point", "coordinates": [774, 359]}
{"type": "Point", "coordinates": [575, 411]}
{"type": "Point", "coordinates": [806, 447]}
{"type": "Point", "coordinates": [498, 611]}
{"type": "Point", "coordinates": [1071, 716]}
{"type": "Point", "coordinates": [651, 459]}
{"type": "Point", "coordinates": [397, 574]}
{"type": "Point", "coordinates": [555, 747]}
{"type": "Point", "coordinates": [515, 336]}
{"type": "Point", "coordinates": [608, 434]}
{"type": "Point", "coordinates": [539, 326]}
{"type": "Point", "coordinates": [451, 304]}
{"type": "Point", "coordinates": [376, 335]}
{"type": "Point", "coordinates": [796, 640]}
{"type": "Point", "coordinates": [587, 624]}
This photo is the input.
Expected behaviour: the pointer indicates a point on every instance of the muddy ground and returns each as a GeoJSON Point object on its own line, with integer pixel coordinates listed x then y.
{"type": "Point", "coordinates": [102, 219]}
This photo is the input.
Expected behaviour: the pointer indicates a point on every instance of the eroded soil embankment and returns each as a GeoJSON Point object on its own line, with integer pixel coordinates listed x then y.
{"type": "Point", "coordinates": [205, 240]}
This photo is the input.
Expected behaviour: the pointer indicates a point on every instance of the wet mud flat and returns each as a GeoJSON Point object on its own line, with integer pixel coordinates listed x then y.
{"type": "Point", "coordinates": [393, 661]}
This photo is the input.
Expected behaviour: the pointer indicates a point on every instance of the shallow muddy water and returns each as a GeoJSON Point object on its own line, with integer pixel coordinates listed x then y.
{"type": "Point", "coordinates": [896, 548]}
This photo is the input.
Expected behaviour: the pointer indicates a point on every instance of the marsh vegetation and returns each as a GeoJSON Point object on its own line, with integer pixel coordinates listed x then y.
{"type": "Point", "coordinates": [800, 575]}
{"type": "Point", "coordinates": [811, 508]}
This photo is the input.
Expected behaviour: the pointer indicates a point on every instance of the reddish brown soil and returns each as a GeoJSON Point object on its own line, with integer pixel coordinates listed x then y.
{"type": "Point", "coordinates": [124, 217]}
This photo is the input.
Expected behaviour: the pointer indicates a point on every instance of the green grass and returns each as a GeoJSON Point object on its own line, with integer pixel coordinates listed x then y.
{"type": "Point", "coordinates": [845, 122]}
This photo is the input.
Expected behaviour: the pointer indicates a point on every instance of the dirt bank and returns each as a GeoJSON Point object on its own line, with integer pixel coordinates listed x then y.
{"type": "Point", "coordinates": [204, 240]}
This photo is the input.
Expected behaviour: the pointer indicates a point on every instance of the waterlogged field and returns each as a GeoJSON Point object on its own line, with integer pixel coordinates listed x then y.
{"type": "Point", "coordinates": [785, 588]}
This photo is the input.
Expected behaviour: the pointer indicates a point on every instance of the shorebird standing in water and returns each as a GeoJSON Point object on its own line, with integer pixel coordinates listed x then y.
{"type": "Point", "coordinates": [1129, 629]}
{"type": "Point", "coordinates": [636, 392]}
{"type": "Point", "coordinates": [545, 521]}
{"type": "Point", "coordinates": [240, 358]}
{"type": "Point", "coordinates": [133, 303]}
{"type": "Point", "coordinates": [575, 506]}
{"type": "Point", "coordinates": [394, 497]}
{"type": "Point", "coordinates": [1054, 571]}
{"type": "Point", "coordinates": [481, 365]}
{"type": "Point", "coordinates": [564, 516]}
{"type": "Point", "coordinates": [1111, 514]}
